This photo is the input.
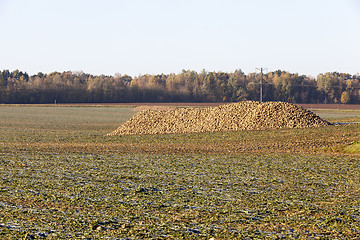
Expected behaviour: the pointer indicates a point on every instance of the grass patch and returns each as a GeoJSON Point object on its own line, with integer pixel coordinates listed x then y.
{"type": "Point", "coordinates": [353, 148]}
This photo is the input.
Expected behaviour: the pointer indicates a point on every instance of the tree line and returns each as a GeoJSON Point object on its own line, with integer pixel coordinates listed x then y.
{"type": "Point", "coordinates": [188, 86]}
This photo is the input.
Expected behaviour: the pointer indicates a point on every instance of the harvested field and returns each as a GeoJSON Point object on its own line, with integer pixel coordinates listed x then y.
{"type": "Point", "coordinates": [62, 178]}
{"type": "Point", "coordinates": [119, 196]}
{"type": "Point", "coordinates": [248, 115]}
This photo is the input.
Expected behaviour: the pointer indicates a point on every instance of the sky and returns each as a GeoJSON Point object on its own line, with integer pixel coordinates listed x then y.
{"type": "Point", "coordinates": [160, 36]}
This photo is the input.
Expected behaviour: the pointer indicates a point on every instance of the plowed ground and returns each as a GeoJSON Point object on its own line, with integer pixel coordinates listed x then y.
{"type": "Point", "coordinates": [61, 177]}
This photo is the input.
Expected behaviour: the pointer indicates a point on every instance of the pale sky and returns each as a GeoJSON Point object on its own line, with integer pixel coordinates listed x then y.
{"type": "Point", "coordinates": [165, 36]}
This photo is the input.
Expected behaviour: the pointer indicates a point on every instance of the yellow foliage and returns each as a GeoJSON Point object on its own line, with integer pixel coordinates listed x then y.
{"type": "Point", "coordinates": [345, 97]}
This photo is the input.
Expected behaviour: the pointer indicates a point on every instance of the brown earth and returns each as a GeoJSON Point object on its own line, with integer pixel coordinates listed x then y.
{"type": "Point", "coordinates": [308, 106]}
{"type": "Point", "coordinates": [154, 107]}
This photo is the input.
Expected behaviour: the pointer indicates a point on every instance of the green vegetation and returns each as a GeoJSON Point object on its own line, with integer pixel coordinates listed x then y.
{"type": "Point", "coordinates": [187, 86]}
{"type": "Point", "coordinates": [353, 148]}
{"type": "Point", "coordinates": [179, 196]}
{"type": "Point", "coordinates": [61, 177]}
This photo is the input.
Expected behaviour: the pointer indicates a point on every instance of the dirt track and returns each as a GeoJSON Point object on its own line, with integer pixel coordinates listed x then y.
{"type": "Point", "coordinates": [309, 106]}
{"type": "Point", "coordinates": [144, 104]}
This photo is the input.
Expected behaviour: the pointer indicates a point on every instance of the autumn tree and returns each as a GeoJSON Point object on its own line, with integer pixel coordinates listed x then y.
{"type": "Point", "coordinates": [237, 86]}
{"type": "Point", "coordinates": [327, 85]}
{"type": "Point", "coordinates": [345, 97]}
{"type": "Point", "coordinates": [189, 86]}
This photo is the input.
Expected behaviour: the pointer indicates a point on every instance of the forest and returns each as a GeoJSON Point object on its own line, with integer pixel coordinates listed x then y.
{"type": "Point", "coordinates": [17, 87]}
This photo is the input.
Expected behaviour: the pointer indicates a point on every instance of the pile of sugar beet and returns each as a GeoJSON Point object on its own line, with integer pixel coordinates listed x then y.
{"type": "Point", "coordinates": [247, 115]}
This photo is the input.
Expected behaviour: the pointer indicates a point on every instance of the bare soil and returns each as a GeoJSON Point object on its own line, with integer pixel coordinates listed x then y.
{"type": "Point", "coordinates": [191, 104]}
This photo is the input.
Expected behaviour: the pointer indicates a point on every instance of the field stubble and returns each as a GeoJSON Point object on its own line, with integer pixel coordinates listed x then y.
{"type": "Point", "coordinates": [61, 177]}
{"type": "Point", "coordinates": [173, 196]}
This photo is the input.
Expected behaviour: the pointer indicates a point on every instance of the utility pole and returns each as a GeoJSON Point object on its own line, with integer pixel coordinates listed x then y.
{"type": "Point", "coordinates": [261, 87]}
{"type": "Point", "coordinates": [261, 83]}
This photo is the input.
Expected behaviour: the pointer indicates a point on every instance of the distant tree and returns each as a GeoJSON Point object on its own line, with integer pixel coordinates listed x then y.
{"type": "Point", "coordinates": [345, 97]}
{"type": "Point", "coordinates": [3, 79]}
{"type": "Point", "coordinates": [334, 87]}
{"type": "Point", "coordinates": [328, 86]}
{"type": "Point", "coordinates": [236, 86]}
